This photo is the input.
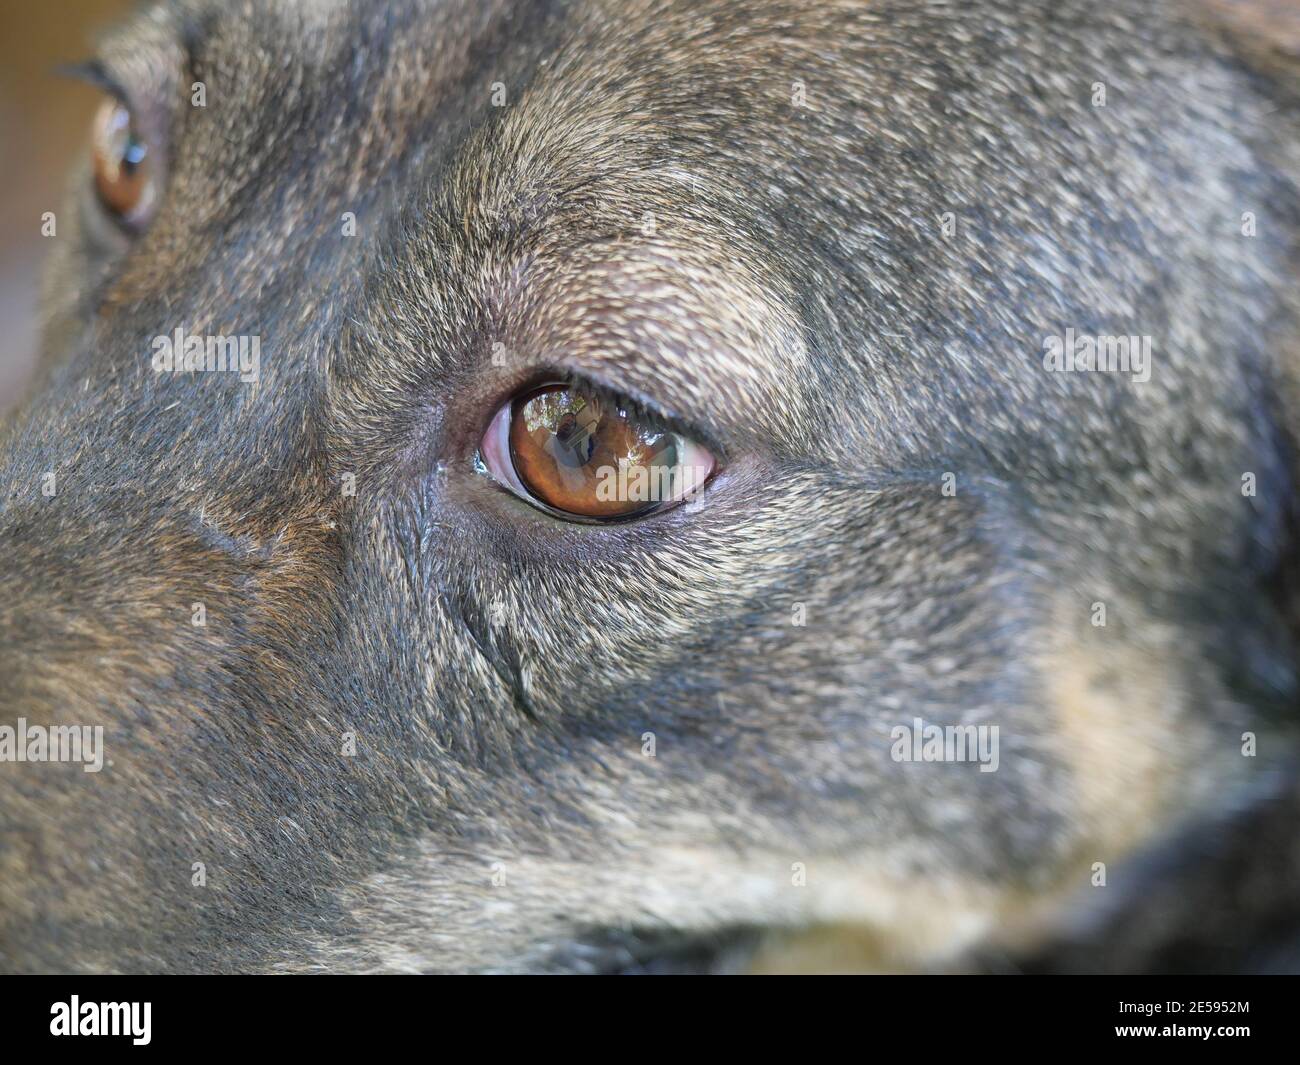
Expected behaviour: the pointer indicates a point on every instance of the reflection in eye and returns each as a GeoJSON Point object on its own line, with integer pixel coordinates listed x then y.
{"type": "Point", "coordinates": [579, 453]}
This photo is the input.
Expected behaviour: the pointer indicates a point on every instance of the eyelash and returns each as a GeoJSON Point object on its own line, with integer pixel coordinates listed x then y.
{"type": "Point", "coordinates": [639, 408]}
{"type": "Point", "coordinates": [95, 74]}
{"type": "Point", "coordinates": [625, 401]}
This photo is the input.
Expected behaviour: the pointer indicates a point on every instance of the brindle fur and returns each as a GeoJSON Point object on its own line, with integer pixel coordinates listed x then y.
{"type": "Point", "coordinates": [795, 302]}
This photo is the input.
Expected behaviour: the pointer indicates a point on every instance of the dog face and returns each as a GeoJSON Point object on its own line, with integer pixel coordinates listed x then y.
{"type": "Point", "coordinates": [367, 707]}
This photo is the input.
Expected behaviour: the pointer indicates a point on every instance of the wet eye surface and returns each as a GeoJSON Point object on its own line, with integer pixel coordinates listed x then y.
{"type": "Point", "coordinates": [582, 455]}
{"type": "Point", "coordinates": [123, 171]}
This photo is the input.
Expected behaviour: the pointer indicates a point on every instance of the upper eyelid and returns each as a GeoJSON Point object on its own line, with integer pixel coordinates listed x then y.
{"type": "Point", "coordinates": [143, 64]}
{"type": "Point", "coordinates": [95, 72]}
{"type": "Point", "coordinates": [642, 405]}
{"type": "Point", "coordinates": [145, 101]}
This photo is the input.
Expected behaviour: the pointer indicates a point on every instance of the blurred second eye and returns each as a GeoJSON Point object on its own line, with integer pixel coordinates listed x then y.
{"type": "Point", "coordinates": [123, 170]}
{"type": "Point", "coordinates": [582, 455]}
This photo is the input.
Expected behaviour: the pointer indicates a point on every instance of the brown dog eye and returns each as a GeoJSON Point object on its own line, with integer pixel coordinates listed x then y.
{"type": "Point", "coordinates": [577, 452]}
{"type": "Point", "coordinates": [122, 167]}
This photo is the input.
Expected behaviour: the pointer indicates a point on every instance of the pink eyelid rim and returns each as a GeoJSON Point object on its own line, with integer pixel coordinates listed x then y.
{"type": "Point", "coordinates": [496, 451]}
{"type": "Point", "coordinates": [495, 448]}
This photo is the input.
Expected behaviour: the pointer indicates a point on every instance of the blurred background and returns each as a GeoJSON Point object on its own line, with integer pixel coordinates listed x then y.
{"type": "Point", "coordinates": [44, 125]}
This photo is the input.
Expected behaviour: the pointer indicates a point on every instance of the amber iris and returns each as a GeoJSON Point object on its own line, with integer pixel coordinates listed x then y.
{"type": "Point", "coordinates": [578, 452]}
{"type": "Point", "coordinates": [121, 163]}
